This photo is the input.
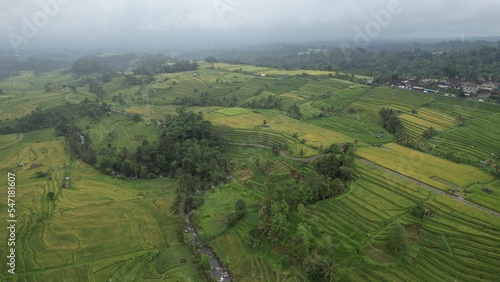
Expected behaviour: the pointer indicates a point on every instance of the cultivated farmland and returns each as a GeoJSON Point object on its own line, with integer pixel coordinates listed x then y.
{"type": "Point", "coordinates": [99, 228]}
{"type": "Point", "coordinates": [78, 224]}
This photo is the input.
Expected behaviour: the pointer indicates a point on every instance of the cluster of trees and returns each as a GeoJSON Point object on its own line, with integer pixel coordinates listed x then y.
{"type": "Point", "coordinates": [430, 132]}
{"type": "Point", "coordinates": [150, 64]}
{"type": "Point", "coordinates": [289, 194]}
{"type": "Point", "coordinates": [269, 102]}
{"type": "Point", "coordinates": [211, 59]}
{"type": "Point", "coordinates": [398, 241]}
{"type": "Point", "coordinates": [294, 111]}
{"type": "Point", "coordinates": [106, 66]}
{"type": "Point", "coordinates": [391, 121]}
{"type": "Point", "coordinates": [12, 67]}
{"type": "Point", "coordinates": [135, 80]}
{"type": "Point", "coordinates": [156, 64]}
{"type": "Point", "coordinates": [435, 60]}
{"type": "Point", "coordinates": [41, 119]}
{"type": "Point", "coordinates": [240, 210]}
{"type": "Point", "coordinates": [330, 177]}
{"type": "Point", "coordinates": [97, 89]}
{"type": "Point", "coordinates": [90, 65]}
{"type": "Point", "coordinates": [63, 118]}
{"type": "Point", "coordinates": [37, 120]}
{"type": "Point", "coordinates": [187, 144]}
{"type": "Point", "coordinates": [120, 99]}
{"type": "Point", "coordinates": [180, 67]}
{"type": "Point", "coordinates": [188, 148]}
{"type": "Point", "coordinates": [79, 144]}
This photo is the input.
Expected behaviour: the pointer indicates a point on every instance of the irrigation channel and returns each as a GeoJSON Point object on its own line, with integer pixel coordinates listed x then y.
{"type": "Point", "coordinates": [218, 272]}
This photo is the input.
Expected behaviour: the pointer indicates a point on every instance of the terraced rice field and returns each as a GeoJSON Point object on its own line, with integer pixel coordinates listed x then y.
{"type": "Point", "coordinates": [357, 126]}
{"type": "Point", "coordinates": [23, 94]}
{"type": "Point", "coordinates": [151, 111]}
{"type": "Point", "coordinates": [287, 85]}
{"type": "Point", "coordinates": [105, 229]}
{"type": "Point", "coordinates": [457, 243]}
{"type": "Point", "coordinates": [233, 111]}
{"type": "Point", "coordinates": [120, 131]}
{"type": "Point", "coordinates": [98, 229]}
{"type": "Point", "coordinates": [291, 98]}
{"type": "Point", "coordinates": [416, 124]}
{"type": "Point", "coordinates": [474, 141]}
{"type": "Point", "coordinates": [248, 89]}
{"type": "Point", "coordinates": [423, 167]}
{"type": "Point", "coordinates": [383, 97]}
{"type": "Point", "coordinates": [341, 99]}
{"type": "Point", "coordinates": [271, 138]}
{"type": "Point", "coordinates": [7, 139]}
{"type": "Point", "coordinates": [487, 195]}
{"type": "Point", "coordinates": [465, 108]}
{"type": "Point", "coordinates": [309, 110]}
{"type": "Point", "coordinates": [22, 104]}
{"type": "Point", "coordinates": [245, 263]}
{"type": "Point", "coordinates": [322, 86]}
{"type": "Point", "coordinates": [314, 135]}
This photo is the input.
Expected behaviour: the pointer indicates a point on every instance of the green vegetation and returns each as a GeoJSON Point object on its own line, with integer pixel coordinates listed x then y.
{"type": "Point", "coordinates": [385, 61]}
{"type": "Point", "coordinates": [291, 176]}
{"type": "Point", "coordinates": [99, 228]}
{"type": "Point", "coordinates": [437, 172]}
{"type": "Point", "coordinates": [233, 111]}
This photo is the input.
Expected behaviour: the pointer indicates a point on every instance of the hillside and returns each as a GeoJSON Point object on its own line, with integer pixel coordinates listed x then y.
{"type": "Point", "coordinates": [398, 206]}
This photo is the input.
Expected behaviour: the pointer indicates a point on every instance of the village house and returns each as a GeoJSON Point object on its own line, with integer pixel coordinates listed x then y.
{"type": "Point", "coordinates": [489, 86]}
{"type": "Point", "coordinates": [470, 89]}
{"type": "Point", "coordinates": [486, 90]}
{"type": "Point", "coordinates": [484, 93]}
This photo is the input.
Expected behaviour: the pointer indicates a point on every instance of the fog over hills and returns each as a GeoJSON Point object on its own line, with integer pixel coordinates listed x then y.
{"type": "Point", "coordinates": [197, 24]}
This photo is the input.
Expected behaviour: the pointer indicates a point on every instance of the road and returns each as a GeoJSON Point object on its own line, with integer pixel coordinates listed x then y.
{"type": "Point", "coordinates": [365, 161]}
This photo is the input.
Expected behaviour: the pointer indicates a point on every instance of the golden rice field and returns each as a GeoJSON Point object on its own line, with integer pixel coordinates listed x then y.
{"type": "Point", "coordinates": [435, 171]}
{"type": "Point", "coordinates": [98, 229]}
{"type": "Point", "coordinates": [315, 136]}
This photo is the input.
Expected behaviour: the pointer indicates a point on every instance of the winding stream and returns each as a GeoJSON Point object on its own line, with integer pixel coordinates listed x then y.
{"type": "Point", "coordinates": [218, 272]}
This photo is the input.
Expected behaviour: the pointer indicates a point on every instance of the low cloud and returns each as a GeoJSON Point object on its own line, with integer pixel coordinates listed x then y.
{"type": "Point", "coordinates": [159, 24]}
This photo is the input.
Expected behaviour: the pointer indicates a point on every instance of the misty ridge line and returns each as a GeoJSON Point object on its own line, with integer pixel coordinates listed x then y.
{"type": "Point", "coordinates": [31, 27]}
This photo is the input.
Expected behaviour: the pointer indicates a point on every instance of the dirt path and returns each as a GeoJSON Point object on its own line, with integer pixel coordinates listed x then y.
{"type": "Point", "coordinates": [435, 190]}
{"type": "Point", "coordinates": [20, 137]}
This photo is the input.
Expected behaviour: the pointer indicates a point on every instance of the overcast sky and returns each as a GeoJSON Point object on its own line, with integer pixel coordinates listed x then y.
{"type": "Point", "coordinates": [157, 24]}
